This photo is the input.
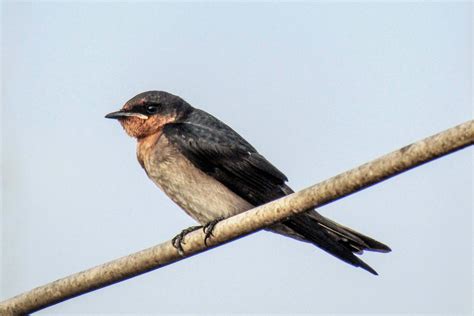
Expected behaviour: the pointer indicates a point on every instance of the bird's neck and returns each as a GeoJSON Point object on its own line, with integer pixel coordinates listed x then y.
{"type": "Point", "coordinates": [145, 146]}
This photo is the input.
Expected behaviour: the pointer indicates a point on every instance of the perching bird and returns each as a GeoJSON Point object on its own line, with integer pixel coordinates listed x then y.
{"type": "Point", "coordinates": [212, 173]}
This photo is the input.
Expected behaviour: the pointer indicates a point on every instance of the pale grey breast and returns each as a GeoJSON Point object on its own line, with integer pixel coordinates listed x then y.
{"type": "Point", "coordinates": [199, 195]}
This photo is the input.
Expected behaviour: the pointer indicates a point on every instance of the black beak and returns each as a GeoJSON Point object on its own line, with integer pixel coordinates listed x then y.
{"type": "Point", "coordinates": [122, 113]}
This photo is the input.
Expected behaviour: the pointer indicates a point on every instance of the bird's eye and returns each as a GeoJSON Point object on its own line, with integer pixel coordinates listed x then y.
{"type": "Point", "coordinates": [151, 108]}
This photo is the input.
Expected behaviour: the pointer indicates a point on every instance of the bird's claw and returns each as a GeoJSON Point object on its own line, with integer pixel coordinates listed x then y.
{"type": "Point", "coordinates": [178, 240]}
{"type": "Point", "coordinates": [209, 227]}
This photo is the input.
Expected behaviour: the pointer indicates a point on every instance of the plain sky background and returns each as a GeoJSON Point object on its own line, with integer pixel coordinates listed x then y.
{"type": "Point", "coordinates": [318, 88]}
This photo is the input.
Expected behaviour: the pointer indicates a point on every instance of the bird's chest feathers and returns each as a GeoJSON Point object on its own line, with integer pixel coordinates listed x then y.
{"type": "Point", "coordinates": [201, 196]}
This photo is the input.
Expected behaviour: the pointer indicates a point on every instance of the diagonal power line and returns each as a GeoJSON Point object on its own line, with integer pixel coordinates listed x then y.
{"type": "Point", "coordinates": [245, 223]}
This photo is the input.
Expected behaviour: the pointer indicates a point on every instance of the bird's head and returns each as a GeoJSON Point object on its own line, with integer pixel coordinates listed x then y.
{"type": "Point", "coordinates": [147, 112]}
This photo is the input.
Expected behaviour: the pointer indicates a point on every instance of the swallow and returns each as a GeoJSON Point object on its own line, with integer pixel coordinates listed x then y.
{"type": "Point", "coordinates": [212, 173]}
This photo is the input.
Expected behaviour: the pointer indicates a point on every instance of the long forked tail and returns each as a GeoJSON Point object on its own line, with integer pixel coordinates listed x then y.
{"type": "Point", "coordinates": [340, 241]}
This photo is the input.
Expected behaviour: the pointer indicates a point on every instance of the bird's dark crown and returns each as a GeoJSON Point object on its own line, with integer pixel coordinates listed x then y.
{"type": "Point", "coordinates": [156, 102]}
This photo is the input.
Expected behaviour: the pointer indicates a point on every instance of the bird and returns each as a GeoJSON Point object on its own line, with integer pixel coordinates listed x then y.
{"type": "Point", "coordinates": [213, 173]}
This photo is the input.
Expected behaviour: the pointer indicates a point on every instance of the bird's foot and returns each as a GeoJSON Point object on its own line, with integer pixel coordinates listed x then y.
{"type": "Point", "coordinates": [178, 241]}
{"type": "Point", "coordinates": [209, 227]}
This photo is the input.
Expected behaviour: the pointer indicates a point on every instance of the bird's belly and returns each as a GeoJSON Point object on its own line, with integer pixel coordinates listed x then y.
{"type": "Point", "coordinates": [199, 195]}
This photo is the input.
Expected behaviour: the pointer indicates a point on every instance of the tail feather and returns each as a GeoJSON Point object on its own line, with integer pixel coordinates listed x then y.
{"type": "Point", "coordinates": [364, 241]}
{"type": "Point", "coordinates": [340, 241]}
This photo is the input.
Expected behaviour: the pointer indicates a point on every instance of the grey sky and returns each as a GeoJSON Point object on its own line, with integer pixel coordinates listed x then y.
{"type": "Point", "coordinates": [317, 88]}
